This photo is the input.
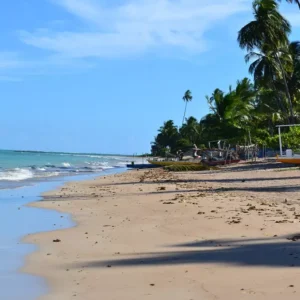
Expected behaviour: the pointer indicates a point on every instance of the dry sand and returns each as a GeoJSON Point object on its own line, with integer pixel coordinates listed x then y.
{"type": "Point", "coordinates": [164, 236]}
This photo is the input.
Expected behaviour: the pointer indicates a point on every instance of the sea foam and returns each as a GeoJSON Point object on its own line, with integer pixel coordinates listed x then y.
{"type": "Point", "coordinates": [16, 174]}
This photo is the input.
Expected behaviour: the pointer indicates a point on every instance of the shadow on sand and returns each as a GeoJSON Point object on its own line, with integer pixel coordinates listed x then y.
{"type": "Point", "coordinates": [270, 252]}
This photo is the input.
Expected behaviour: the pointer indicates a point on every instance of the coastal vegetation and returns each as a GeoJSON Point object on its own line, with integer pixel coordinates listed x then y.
{"type": "Point", "coordinates": [189, 168]}
{"type": "Point", "coordinates": [248, 112]}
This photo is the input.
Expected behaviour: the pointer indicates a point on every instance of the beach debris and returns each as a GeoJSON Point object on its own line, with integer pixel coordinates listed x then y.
{"type": "Point", "coordinates": [294, 238]}
{"type": "Point", "coordinates": [252, 207]}
{"type": "Point", "coordinates": [56, 241]}
{"type": "Point", "coordinates": [168, 202]}
{"type": "Point", "coordinates": [201, 213]}
{"type": "Point", "coordinates": [235, 220]}
{"type": "Point", "coordinates": [291, 285]}
{"type": "Point", "coordinates": [108, 266]}
{"type": "Point", "coordinates": [296, 215]}
{"type": "Point", "coordinates": [162, 188]}
{"type": "Point", "coordinates": [152, 284]}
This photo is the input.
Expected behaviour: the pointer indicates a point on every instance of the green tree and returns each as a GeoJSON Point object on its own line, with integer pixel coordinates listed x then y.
{"type": "Point", "coordinates": [293, 2]}
{"type": "Point", "coordinates": [186, 98]}
{"type": "Point", "coordinates": [265, 69]}
{"type": "Point", "coordinates": [216, 124]}
{"type": "Point", "coordinates": [167, 136]}
{"type": "Point", "coordinates": [191, 130]}
{"type": "Point", "coordinates": [294, 78]}
{"type": "Point", "coordinates": [270, 30]}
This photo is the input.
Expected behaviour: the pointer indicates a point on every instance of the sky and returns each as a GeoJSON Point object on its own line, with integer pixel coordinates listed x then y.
{"type": "Point", "coordinates": [103, 75]}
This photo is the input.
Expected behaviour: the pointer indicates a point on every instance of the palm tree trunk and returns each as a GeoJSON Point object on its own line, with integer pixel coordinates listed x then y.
{"type": "Point", "coordinates": [286, 89]}
{"type": "Point", "coordinates": [250, 140]}
{"type": "Point", "coordinates": [184, 112]}
{"type": "Point", "coordinates": [279, 101]}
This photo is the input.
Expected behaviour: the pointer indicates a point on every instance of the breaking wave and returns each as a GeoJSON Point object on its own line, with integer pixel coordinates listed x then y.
{"type": "Point", "coordinates": [47, 165]}
{"type": "Point", "coordinates": [16, 174]}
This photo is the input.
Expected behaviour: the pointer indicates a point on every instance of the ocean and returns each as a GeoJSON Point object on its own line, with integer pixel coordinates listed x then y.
{"type": "Point", "coordinates": [24, 176]}
{"type": "Point", "coordinates": [19, 168]}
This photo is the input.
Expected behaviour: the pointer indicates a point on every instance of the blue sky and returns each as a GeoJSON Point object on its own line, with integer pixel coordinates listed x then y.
{"type": "Point", "coordinates": [103, 75]}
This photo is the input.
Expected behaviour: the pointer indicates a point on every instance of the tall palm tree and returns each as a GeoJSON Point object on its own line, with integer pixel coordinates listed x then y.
{"type": "Point", "coordinates": [186, 98]}
{"type": "Point", "coordinates": [294, 79]}
{"type": "Point", "coordinates": [266, 71]}
{"type": "Point", "coordinates": [293, 1]}
{"type": "Point", "coordinates": [268, 28]}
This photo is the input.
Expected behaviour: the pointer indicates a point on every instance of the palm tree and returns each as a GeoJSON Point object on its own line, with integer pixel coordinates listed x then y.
{"type": "Point", "coordinates": [266, 71]}
{"type": "Point", "coordinates": [186, 98]}
{"type": "Point", "coordinates": [294, 79]}
{"type": "Point", "coordinates": [216, 124]}
{"type": "Point", "coordinates": [240, 113]}
{"type": "Point", "coordinates": [190, 130]}
{"type": "Point", "coordinates": [268, 28]}
{"type": "Point", "coordinates": [292, 2]}
{"type": "Point", "coordinates": [167, 137]}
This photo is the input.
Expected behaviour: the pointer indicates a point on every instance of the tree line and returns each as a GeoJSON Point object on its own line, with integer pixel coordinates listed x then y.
{"type": "Point", "coordinates": [249, 112]}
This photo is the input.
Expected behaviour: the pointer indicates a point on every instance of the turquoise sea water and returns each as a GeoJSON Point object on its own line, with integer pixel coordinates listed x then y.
{"type": "Point", "coordinates": [18, 168]}
{"type": "Point", "coordinates": [17, 221]}
{"type": "Point", "coordinates": [23, 177]}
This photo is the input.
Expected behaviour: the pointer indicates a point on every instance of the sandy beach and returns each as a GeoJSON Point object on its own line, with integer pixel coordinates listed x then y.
{"type": "Point", "coordinates": [228, 234]}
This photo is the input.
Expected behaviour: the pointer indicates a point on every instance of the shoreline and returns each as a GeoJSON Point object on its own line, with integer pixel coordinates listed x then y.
{"type": "Point", "coordinates": [21, 219]}
{"type": "Point", "coordinates": [152, 234]}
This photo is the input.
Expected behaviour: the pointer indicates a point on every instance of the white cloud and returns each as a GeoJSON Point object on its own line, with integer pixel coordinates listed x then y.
{"type": "Point", "coordinates": [135, 27]}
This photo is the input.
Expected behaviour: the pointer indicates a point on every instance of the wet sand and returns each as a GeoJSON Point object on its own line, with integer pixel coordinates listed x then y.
{"type": "Point", "coordinates": [229, 234]}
